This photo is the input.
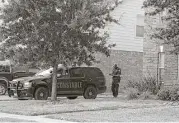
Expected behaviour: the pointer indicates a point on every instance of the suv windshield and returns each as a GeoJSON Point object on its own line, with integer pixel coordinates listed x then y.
{"type": "Point", "coordinates": [47, 72]}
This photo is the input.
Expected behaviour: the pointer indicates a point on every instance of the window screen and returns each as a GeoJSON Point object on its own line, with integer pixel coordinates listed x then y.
{"type": "Point", "coordinates": [139, 31]}
{"type": "Point", "coordinates": [140, 26]}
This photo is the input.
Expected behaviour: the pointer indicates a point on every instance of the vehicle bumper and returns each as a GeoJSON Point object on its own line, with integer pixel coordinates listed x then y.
{"type": "Point", "coordinates": [20, 93]}
{"type": "Point", "coordinates": [102, 89]}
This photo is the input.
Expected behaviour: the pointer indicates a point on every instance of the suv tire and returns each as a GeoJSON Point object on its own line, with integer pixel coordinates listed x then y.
{"type": "Point", "coordinates": [41, 93]}
{"type": "Point", "coordinates": [2, 89]}
{"type": "Point", "coordinates": [72, 98]}
{"type": "Point", "coordinates": [90, 92]}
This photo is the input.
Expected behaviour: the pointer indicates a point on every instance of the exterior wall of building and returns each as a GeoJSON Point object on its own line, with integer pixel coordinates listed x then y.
{"type": "Point", "coordinates": [124, 35]}
{"type": "Point", "coordinates": [129, 62]}
{"type": "Point", "coordinates": [128, 52]}
{"type": "Point", "coordinates": [169, 74]}
{"type": "Point", "coordinates": [151, 62]}
{"type": "Point", "coordinates": [150, 54]}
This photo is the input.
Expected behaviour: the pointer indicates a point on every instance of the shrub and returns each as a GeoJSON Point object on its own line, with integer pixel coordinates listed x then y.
{"type": "Point", "coordinates": [150, 84]}
{"type": "Point", "coordinates": [147, 95]}
{"type": "Point", "coordinates": [132, 93]}
{"type": "Point", "coordinates": [169, 94]}
{"type": "Point", "coordinates": [146, 84]}
{"type": "Point", "coordinates": [164, 94]}
{"type": "Point", "coordinates": [173, 93]}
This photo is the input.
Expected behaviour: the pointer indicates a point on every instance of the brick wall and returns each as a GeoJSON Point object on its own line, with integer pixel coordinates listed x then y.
{"type": "Point", "coordinates": [171, 67]}
{"type": "Point", "coordinates": [150, 61]}
{"type": "Point", "coordinates": [150, 55]}
{"type": "Point", "coordinates": [150, 47]}
{"type": "Point", "coordinates": [131, 64]}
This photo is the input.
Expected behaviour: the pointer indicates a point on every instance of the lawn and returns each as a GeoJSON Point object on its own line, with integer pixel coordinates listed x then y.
{"type": "Point", "coordinates": [63, 105]}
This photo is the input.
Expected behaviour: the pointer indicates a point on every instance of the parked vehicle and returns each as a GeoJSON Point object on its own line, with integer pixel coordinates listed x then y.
{"type": "Point", "coordinates": [71, 83]}
{"type": "Point", "coordinates": [7, 74]}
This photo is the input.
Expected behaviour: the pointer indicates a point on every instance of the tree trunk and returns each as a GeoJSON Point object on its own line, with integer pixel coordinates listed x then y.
{"type": "Point", "coordinates": [54, 82]}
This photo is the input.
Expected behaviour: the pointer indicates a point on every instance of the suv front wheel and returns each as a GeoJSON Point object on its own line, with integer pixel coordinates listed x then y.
{"type": "Point", "coordinates": [41, 93]}
{"type": "Point", "coordinates": [90, 92]}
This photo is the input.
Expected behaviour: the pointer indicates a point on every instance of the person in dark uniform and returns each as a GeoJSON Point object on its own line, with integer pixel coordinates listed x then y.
{"type": "Point", "coordinates": [116, 78]}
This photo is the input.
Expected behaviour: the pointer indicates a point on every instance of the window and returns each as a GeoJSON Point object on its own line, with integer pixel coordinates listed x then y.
{"type": "Point", "coordinates": [62, 72]}
{"type": "Point", "coordinates": [140, 26]}
{"type": "Point", "coordinates": [76, 73]}
{"type": "Point", "coordinates": [4, 68]}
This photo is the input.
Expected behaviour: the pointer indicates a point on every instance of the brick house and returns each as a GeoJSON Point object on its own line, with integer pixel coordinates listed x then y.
{"type": "Point", "coordinates": [128, 37]}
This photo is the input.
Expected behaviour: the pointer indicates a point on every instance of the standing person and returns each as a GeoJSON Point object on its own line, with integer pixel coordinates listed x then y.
{"type": "Point", "coordinates": [115, 80]}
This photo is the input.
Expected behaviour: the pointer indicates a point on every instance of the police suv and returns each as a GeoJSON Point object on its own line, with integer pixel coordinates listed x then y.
{"type": "Point", "coordinates": [71, 83]}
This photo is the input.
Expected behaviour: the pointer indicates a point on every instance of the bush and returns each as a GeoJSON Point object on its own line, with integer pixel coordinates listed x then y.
{"type": "Point", "coordinates": [170, 94]}
{"type": "Point", "coordinates": [164, 94]}
{"type": "Point", "coordinates": [150, 84]}
{"type": "Point", "coordinates": [132, 93]}
{"type": "Point", "coordinates": [147, 95]}
{"type": "Point", "coordinates": [147, 84]}
{"type": "Point", "coordinates": [147, 87]}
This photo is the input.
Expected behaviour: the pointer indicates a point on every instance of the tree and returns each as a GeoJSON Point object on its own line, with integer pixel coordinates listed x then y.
{"type": "Point", "coordinates": [57, 31]}
{"type": "Point", "coordinates": [170, 33]}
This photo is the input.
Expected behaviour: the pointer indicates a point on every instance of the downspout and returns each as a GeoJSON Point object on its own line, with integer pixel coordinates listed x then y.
{"type": "Point", "coordinates": [178, 68]}
{"type": "Point", "coordinates": [157, 69]}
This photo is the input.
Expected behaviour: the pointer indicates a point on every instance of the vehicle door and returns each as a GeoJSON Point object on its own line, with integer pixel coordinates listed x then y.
{"type": "Point", "coordinates": [77, 79]}
{"type": "Point", "coordinates": [63, 83]}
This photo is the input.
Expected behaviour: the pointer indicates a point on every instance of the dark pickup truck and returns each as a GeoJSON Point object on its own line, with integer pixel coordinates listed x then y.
{"type": "Point", "coordinates": [7, 74]}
